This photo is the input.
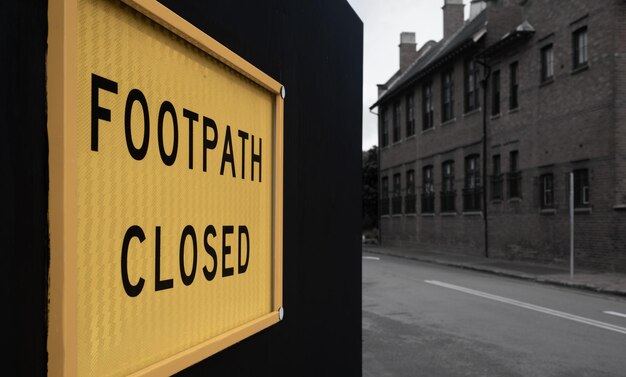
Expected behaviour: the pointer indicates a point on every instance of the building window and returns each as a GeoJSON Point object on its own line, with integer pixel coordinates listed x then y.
{"type": "Point", "coordinates": [410, 199]}
{"type": "Point", "coordinates": [427, 106]}
{"type": "Point", "coordinates": [514, 177]}
{"type": "Point", "coordinates": [472, 190]}
{"type": "Point", "coordinates": [384, 128]}
{"type": "Point", "coordinates": [410, 116]}
{"type": "Point", "coordinates": [448, 194]}
{"type": "Point", "coordinates": [547, 190]}
{"type": "Point", "coordinates": [471, 85]}
{"type": "Point", "coordinates": [496, 178]}
{"type": "Point", "coordinates": [514, 84]}
{"type": "Point", "coordinates": [495, 93]}
{"type": "Point", "coordinates": [581, 188]}
{"type": "Point", "coordinates": [396, 122]}
{"type": "Point", "coordinates": [396, 199]}
{"type": "Point", "coordinates": [428, 190]}
{"type": "Point", "coordinates": [547, 63]}
{"type": "Point", "coordinates": [579, 40]}
{"type": "Point", "coordinates": [384, 200]}
{"type": "Point", "coordinates": [447, 96]}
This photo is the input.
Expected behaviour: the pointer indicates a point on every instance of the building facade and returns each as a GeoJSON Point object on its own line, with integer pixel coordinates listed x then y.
{"type": "Point", "coordinates": [482, 134]}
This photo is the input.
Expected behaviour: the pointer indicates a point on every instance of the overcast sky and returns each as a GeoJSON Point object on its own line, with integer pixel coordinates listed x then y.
{"type": "Point", "coordinates": [383, 21]}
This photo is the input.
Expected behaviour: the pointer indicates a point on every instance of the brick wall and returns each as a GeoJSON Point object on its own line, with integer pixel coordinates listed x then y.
{"type": "Point", "coordinates": [620, 102]}
{"type": "Point", "coordinates": [578, 120]}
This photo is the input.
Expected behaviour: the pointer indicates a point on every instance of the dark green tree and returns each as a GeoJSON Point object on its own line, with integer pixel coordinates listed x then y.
{"type": "Point", "coordinates": [369, 190]}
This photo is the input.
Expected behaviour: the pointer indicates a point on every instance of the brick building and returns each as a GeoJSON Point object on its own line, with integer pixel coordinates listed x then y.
{"type": "Point", "coordinates": [554, 104]}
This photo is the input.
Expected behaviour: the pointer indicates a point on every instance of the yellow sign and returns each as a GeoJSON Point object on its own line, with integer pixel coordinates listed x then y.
{"type": "Point", "coordinates": [165, 191]}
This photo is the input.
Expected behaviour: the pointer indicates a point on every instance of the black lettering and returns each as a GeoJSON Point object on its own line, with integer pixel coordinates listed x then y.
{"type": "Point", "coordinates": [131, 290]}
{"type": "Point", "coordinates": [97, 112]}
{"type": "Point", "coordinates": [210, 231]}
{"type": "Point", "coordinates": [226, 230]}
{"type": "Point", "coordinates": [243, 230]}
{"type": "Point", "coordinates": [208, 144]}
{"type": "Point", "coordinates": [159, 284]}
{"type": "Point", "coordinates": [244, 136]}
{"type": "Point", "coordinates": [167, 107]}
{"type": "Point", "coordinates": [227, 153]}
{"type": "Point", "coordinates": [193, 117]}
{"type": "Point", "coordinates": [256, 157]}
{"type": "Point", "coordinates": [188, 232]}
{"type": "Point", "coordinates": [137, 153]}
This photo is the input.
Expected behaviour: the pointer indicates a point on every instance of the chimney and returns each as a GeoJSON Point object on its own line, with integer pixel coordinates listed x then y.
{"type": "Point", "coordinates": [408, 52]}
{"type": "Point", "coordinates": [453, 16]}
{"type": "Point", "coordinates": [476, 6]}
{"type": "Point", "coordinates": [381, 89]}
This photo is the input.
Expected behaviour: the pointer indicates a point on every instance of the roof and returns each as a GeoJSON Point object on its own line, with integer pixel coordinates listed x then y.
{"type": "Point", "coordinates": [521, 32]}
{"type": "Point", "coordinates": [467, 36]}
{"type": "Point", "coordinates": [393, 78]}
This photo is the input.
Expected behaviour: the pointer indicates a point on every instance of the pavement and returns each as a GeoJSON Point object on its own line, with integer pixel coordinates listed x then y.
{"type": "Point", "coordinates": [601, 282]}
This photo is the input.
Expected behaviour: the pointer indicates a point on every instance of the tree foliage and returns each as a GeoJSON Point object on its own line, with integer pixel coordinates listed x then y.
{"type": "Point", "coordinates": [369, 190]}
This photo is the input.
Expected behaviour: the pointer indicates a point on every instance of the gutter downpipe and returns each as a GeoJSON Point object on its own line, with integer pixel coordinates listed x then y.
{"type": "Point", "coordinates": [484, 82]}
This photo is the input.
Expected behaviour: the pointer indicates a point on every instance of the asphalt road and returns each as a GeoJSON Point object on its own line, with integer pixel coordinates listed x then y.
{"type": "Point", "coordinates": [421, 319]}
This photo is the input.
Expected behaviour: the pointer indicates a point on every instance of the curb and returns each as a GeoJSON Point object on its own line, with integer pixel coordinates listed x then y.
{"type": "Point", "coordinates": [511, 274]}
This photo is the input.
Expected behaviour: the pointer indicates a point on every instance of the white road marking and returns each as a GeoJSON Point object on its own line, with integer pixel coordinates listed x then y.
{"type": "Point", "coordinates": [371, 258]}
{"type": "Point", "coordinates": [615, 313]}
{"type": "Point", "coordinates": [556, 313]}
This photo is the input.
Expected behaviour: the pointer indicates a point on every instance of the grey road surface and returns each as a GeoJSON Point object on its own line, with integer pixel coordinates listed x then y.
{"type": "Point", "coordinates": [422, 319]}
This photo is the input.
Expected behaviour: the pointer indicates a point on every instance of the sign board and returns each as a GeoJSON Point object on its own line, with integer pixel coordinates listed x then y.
{"type": "Point", "coordinates": [165, 191]}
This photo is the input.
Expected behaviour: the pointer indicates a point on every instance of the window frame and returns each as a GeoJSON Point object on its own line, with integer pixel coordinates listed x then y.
{"type": "Point", "coordinates": [580, 46]}
{"type": "Point", "coordinates": [447, 95]}
{"type": "Point", "coordinates": [448, 193]}
{"type": "Point", "coordinates": [472, 171]}
{"type": "Point", "coordinates": [547, 63]}
{"type": "Point", "coordinates": [410, 181]}
{"type": "Point", "coordinates": [581, 188]}
{"type": "Point", "coordinates": [473, 187]}
{"type": "Point", "coordinates": [471, 92]}
{"type": "Point", "coordinates": [427, 106]}
{"type": "Point", "coordinates": [547, 190]}
{"type": "Point", "coordinates": [447, 176]}
{"type": "Point", "coordinates": [384, 191]}
{"type": "Point", "coordinates": [428, 189]}
{"type": "Point", "coordinates": [396, 195]}
{"type": "Point", "coordinates": [495, 93]}
{"type": "Point", "coordinates": [496, 178]}
{"type": "Point", "coordinates": [410, 114]}
{"type": "Point", "coordinates": [396, 134]}
{"type": "Point", "coordinates": [513, 85]}
{"type": "Point", "coordinates": [410, 205]}
{"type": "Point", "coordinates": [514, 178]}
{"type": "Point", "coordinates": [514, 161]}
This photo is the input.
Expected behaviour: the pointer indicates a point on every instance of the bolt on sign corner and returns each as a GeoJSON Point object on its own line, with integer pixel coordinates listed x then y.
{"type": "Point", "coordinates": [165, 191]}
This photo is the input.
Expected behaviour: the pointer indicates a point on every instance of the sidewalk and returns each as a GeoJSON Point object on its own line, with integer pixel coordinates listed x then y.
{"type": "Point", "coordinates": [609, 283]}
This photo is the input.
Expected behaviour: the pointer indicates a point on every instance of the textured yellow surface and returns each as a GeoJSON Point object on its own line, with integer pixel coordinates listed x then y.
{"type": "Point", "coordinates": [118, 334]}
